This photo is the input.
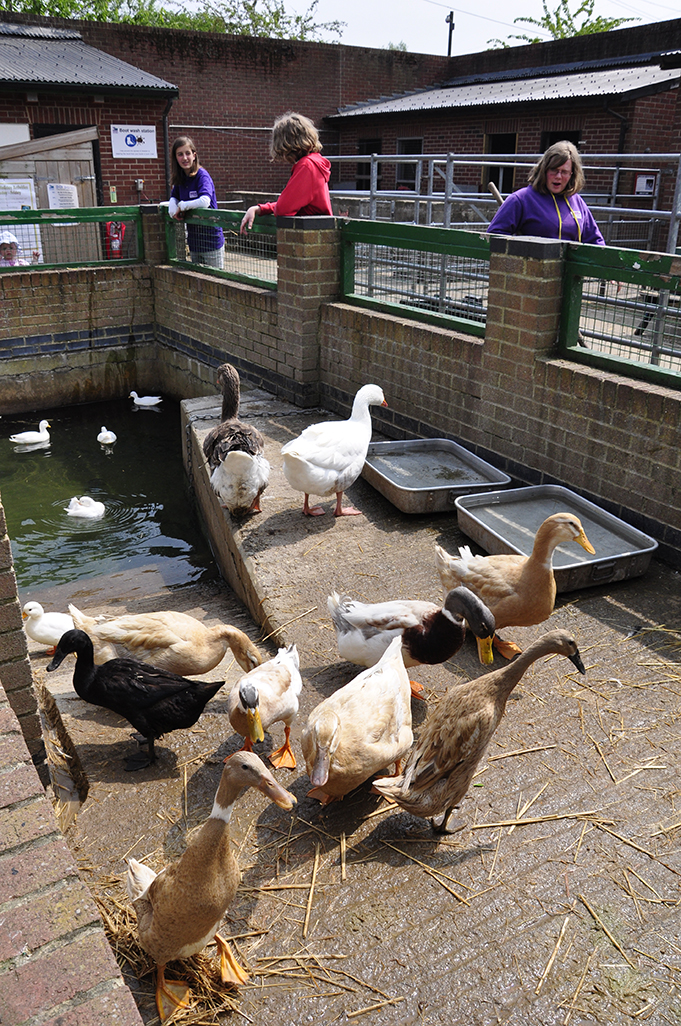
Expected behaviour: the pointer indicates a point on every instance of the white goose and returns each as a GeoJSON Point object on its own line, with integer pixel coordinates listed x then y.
{"type": "Point", "coordinates": [106, 437]}
{"type": "Point", "coordinates": [329, 457]}
{"type": "Point", "coordinates": [145, 400]}
{"type": "Point", "coordinates": [32, 437]}
{"type": "Point", "coordinates": [45, 628]}
{"type": "Point", "coordinates": [84, 507]}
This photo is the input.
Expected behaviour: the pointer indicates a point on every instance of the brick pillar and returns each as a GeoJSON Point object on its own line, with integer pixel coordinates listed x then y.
{"type": "Point", "coordinates": [15, 667]}
{"type": "Point", "coordinates": [525, 296]}
{"type": "Point", "coordinates": [153, 232]}
{"type": "Point", "coordinates": [308, 259]}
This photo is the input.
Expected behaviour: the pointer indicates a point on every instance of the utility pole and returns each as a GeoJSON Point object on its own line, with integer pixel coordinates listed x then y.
{"type": "Point", "coordinates": [449, 20]}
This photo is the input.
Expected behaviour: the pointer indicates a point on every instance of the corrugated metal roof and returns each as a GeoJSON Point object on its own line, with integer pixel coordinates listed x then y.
{"type": "Point", "coordinates": [37, 31]}
{"type": "Point", "coordinates": [38, 60]}
{"type": "Point", "coordinates": [608, 82]}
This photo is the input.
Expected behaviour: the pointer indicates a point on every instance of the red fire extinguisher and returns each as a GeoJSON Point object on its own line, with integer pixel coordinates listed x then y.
{"type": "Point", "coordinates": [115, 233]}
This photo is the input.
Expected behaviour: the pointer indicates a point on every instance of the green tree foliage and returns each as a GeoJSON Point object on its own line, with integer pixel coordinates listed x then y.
{"type": "Point", "coordinates": [267, 18]}
{"type": "Point", "coordinates": [562, 23]}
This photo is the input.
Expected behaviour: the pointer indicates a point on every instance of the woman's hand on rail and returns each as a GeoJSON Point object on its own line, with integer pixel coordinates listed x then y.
{"type": "Point", "coordinates": [248, 219]}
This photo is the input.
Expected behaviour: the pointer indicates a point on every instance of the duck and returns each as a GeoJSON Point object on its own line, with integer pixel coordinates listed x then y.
{"type": "Point", "coordinates": [45, 628]}
{"type": "Point", "coordinates": [145, 400]}
{"type": "Point", "coordinates": [265, 696]}
{"type": "Point", "coordinates": [152, 700]}
{"type": "Point", "coordinates": [327, 458]}
{"type": "Point", "coordinates": [85, 507]}
{"type": "Point", "coordinates": [106, 437]}
{"type": "Point", "coordinates": [32, 437]}
{"type": "Point", "coordinates": [168, 640]}
{"type": "Point", "coordinates": [236, 452]}
{"type": "Point", "coordinates": [430, 633]}
{"type": "Point", "coordinates": [439, 768]}
{"type": "Point", "coordinates": [361, 729]}
{"type": "Point", "coordinates": [519, 590]}
{"type": "Point", "coordinates": [179, 910]}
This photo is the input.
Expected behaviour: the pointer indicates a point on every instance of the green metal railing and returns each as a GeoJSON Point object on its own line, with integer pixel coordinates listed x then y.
{"type": "Point", "coordinates": [436, 275]}
{"type": "Point", "coordinates": [78, 237]}
{"type": "Point", "coordinates": [251, 258]}
{"type": "Point", "coordinates": [622, 312]}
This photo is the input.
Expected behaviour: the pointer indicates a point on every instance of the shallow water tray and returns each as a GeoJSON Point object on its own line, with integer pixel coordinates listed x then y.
{"type": "Point", "coordinates": [508, 521]}
{"type": "Point", "coordinates": [426, 475]}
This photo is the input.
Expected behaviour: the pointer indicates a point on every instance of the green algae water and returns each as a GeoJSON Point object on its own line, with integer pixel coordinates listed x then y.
{"type": "Point", "coordinates": [149, 519]}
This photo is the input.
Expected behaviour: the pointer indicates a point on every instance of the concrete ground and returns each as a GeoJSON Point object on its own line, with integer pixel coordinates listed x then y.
{"type": "Point", "coordinates": [557, 900]}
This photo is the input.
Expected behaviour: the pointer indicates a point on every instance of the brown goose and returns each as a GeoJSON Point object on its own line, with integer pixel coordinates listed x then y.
{"type": "Point", "coordinates": [440, 766]}
{"type": "Point", "coordinates": [519, 590]}
{"type": "Point", "coordinates": [179, 910]}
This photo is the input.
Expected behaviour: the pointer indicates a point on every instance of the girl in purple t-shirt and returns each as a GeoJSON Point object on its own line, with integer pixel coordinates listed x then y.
{"type": "Point", "coordinates": [193, 189]}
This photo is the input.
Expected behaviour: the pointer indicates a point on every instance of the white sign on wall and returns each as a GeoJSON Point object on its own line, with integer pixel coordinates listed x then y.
{"type": "Point", "coordinates": [134, 141]}
{"type": "Point", "coordinates": [61, 196]}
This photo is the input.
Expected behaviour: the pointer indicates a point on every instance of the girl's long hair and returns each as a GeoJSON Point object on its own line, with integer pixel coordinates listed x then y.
{"type": "Point", "coordinates": [178, 175]}
{"type": "Point", "coordinates": [556, 156]}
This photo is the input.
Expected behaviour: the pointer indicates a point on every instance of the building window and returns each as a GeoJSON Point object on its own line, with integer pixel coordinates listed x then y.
{"type": "Point", "coordinates": [405, 174]}
{"type": "Point", "coordinates": [549, 138]}
{"type": "Point", "coordinates": [502, 176]}
{"type": "Point", "coordinates": [363, 177]}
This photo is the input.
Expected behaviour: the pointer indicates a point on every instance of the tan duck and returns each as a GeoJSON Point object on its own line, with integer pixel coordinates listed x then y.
{"type": "Point", "coordinates": [439, 768]}
{"type": "Point", "coordinates": [236, 452]}
{"type": "Point", "coordinates": [168, 640]}
{"type": "Point", "coordinates": [267, 695]}
{"type": "Point", "coordinates": [519, 590]}
{"type": "Point", "coordinates": [179, 910]}
{"type": "Point", "coordinates": [360, 729]}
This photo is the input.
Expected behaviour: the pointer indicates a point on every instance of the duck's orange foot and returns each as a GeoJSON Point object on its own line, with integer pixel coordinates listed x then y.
{"type": "Point", "coordinates": [51, 650]}
{"type": "Point", "coordinates": [320, 795]}
{"type": "Point", "coordinates": [283, 757]}
{"type": "Point", "coordinates": [507, 649]}
{"type": "Point", "coordinates": [232, 973]}
{"type": "Point", "coordinates": [312, 511]}
{"type": "Point", "coordinates": [170, 995]}
{"type": "Point", "coordinates": [416, 690]}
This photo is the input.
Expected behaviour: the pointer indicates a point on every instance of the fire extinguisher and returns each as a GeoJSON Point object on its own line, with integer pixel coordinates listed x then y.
{"type": "Point", "coordinates": [115, 233]}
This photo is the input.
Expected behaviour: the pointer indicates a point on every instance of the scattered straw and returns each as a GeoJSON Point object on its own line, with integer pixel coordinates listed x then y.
{"type": "Point", "coordinates": [315, 867]}
{"type": "Point", "coordinates": [571, 1009]}
{"type": "Point", "coordinates": [372, 1008]}
{"type": "Point", "coordinates": [552, 959]}
{"type": "Point", "coordinates": [605, 930]}
{"type": "Point", "coordinates": [520, 751]}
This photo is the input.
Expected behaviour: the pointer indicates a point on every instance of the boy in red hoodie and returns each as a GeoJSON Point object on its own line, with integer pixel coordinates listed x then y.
{"type": "Point", "coordinates": [295, 141]}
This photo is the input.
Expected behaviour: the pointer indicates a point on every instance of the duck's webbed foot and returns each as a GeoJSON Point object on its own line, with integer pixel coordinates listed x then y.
{"type": "Point", "coordinates": [232, 973]}
{"type": "Point", "coordinates": [284, 757]}
{"type": "Point", "coordinates": [312, 511]}
{"type": "Point", "coordinates": [142, 759]}
{"type": "Point", "coordinates": [442, 825]}
{"type": "Point", "coordinates": [170, 995]}
{"type": "Point", "coordinates": [507, 649]}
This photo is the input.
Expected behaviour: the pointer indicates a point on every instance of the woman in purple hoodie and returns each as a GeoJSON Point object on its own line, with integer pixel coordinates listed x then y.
{"type": "Point", "coordinates": [295, 141]}
{"type": "Point", "coordinates": [550, 207]}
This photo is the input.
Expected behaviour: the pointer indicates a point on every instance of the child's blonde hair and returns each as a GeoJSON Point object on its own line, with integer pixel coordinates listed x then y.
{"type": "Point", "coordinates": [293, 137]}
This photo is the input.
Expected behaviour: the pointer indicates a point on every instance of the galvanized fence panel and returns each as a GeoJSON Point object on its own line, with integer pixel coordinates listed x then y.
{"type": "Point", "coordinates": [622, 311]}
{"type": "Point", "coordinates": [81, 237]}
{"type": "Point", "coordinates": [430, 274]}
{"type": "Point", "coordinates": [250, 258]}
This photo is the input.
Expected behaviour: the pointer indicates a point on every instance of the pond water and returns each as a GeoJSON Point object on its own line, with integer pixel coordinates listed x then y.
{"type": "Point", "coordinates": [149, 518]}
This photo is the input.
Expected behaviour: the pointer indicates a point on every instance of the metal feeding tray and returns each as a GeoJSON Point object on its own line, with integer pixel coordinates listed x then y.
{"type": "Point", "coordinates": [426, 475]}
{"type": "Point", "coordinates": [508, 521]}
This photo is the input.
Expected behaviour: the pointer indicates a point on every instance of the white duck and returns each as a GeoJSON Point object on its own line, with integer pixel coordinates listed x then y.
{"type": "Point", "coordinates": [360, 729]}
{"type": "Point", "coordinates": [145, 400]}
{"type": "Point", "coordinates": [45, 628]}
{"type": "Point", "coordinates": [329, 457]}
{"type": "Point", "coordinates": [32, 437]}
{"type": "Point", "coordinates": [235, 452]}
{"type": "Point", "coordinates": [266, 695]}
{"type": "Point", "coordinates": [85, 507]}
{"type": "Point", "coordinates": [106, 437]}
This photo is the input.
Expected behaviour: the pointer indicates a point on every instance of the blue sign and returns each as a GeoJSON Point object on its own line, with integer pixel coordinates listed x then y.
{"type": "Point", "coordinates": [131, 140]}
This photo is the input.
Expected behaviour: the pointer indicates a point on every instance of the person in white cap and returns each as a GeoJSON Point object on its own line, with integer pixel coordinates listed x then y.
{"type": "Point", "coordinates": [9, 251]}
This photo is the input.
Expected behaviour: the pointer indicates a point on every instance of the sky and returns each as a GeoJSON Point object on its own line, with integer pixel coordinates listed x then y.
{"type": "Point", "coordinates": [421, 23]}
